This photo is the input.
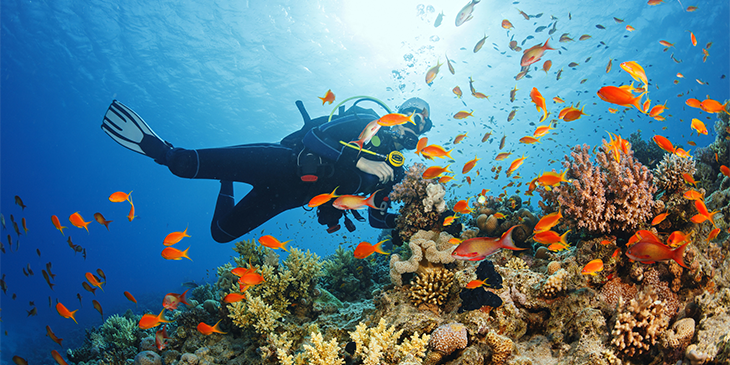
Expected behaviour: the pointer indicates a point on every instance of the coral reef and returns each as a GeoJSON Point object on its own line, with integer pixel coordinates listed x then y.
{"type": "Point", "coordinates": [604, 197]}
{"type": "Point", "coordinates": [351, 279]}
{"type": "Point", "coordinates": [413, 192]}
{"type": "Point", "coordinates": [639, 326]}
{"type": "Point", "coordinates": [429, 249]}
{"type": "Point", "coordinates": [668, 173]}
{"type": "Point", "coordinates": [431, 288]}
{"type": "Point", "coordinates": [446, 339]}
{"type": "Point", "coordinates": [373, 345]}
{"type": "Point", "coordinates": [501, 347]}
{"type": "Point", "coordinates": [478, 298]}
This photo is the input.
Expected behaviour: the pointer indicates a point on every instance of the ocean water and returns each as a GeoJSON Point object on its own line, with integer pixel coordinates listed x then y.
{"type": "Point", "coordinates": [218, 73]}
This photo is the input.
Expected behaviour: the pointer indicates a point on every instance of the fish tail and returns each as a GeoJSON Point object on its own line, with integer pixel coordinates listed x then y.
{"type": "Point", "coordinates": [359, 143]}
{"type": "Point", "coordinates": [185, 254]}
{"type": "Point", "coordinates": [562, 238]}
{"type": "Point", "coordinates": [183, 299]}
{"type": "Point", "coordinates": [72, 315]}
{"type": "Point", "coordinates": [218, 329]}
{"type": "Point", "coordinates": [506, 240]}
{"type": "Point", "coordinates": [379, 248]}
{"type": "Point", "coordinates": [283, 245]}
{"type": "Point", "coordinates": [678, 255]}
{"type": "Point", "coordinates": [546, 46]}
{"type": "Point", "coordinates": [370, 201]}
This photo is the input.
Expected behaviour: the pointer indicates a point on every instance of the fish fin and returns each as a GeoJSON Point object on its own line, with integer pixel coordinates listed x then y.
{"type": "Point", "coordinates": [379, 248]}
{"type": "Point", "coordinates": [506, 240]}
{"type": "Point", "coordinates": [678, 255]}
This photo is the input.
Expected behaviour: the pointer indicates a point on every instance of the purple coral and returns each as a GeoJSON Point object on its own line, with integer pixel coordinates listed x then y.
{"type": "Point", "coordinates": [606, 196]}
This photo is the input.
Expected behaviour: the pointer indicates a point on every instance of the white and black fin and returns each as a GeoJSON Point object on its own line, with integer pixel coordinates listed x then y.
{"type": "Point", "coordinates": [129, 130]}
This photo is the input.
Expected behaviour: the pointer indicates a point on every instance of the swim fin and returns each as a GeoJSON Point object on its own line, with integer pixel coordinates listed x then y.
{"type": "Point", "coordinates": [129, 130]}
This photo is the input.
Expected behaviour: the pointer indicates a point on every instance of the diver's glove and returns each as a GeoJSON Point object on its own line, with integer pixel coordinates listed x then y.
{"type": "Point", "coordinates": [378, 168]}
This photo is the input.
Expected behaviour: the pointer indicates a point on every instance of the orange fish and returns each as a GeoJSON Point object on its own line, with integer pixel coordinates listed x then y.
{"type": "Point", "coordinates": [446, 178]}
{"type": "Point", "coordinates": [234, 297]}
{"type": "Point", "coordinates": [666, 44]}
{"type": "Point", "coordinates": [713, 106]}
{"type": "Point", "coordinates": [329, 97]}
{"type": "Point", "coordinates": [393, 119]}
{"type": "Point", "coordinates": [59, 359]}
{"type": "Point", "coordinates": [547, 222]}
{"type": "Point", "coordinates": [502, 155]}
{"type": "Point", "coordinates": [476, 283]}
{"type": "Point", "coordinates": [691, 8]}
{"type": "Point", "coordinates": [207, 330]}
{"type": "Point", "coordinates": [100, 218]}
{"type": "Point", "coordinates": [77, 221]}
{"type": "Point", "coordinates": [549, 237]}
{"type": "Point", "coordinates": [693, 38]}
{"type": "Point", "coordinates": [499, 215]}
{"type": "Point", "coordinates": [250, 278]}
{"type": "Point", "coordinates": [462, 207]}
{"type": "Point", "coordinates": [552, 178]}
{"type": "Point", "coordinates": [657, 109]}
{"type": "Point", "coordinates": [175, 237]}
{"type": "Point", "coordinates": [506, 24]}
{"type": "Point", "coordinates": [630, 28]}
{"type": "Point", "coordinates": [676, 238]}
{"type": "Point", "coordinates": [93, 280]}
{"type": "Point", "coordinates": [713, 234]}
{"type": "Point", "coordinates": [571, 113]}
{"type": "Point", "coordinates": [658, 219]}
{"type": "Point", "coordinates": [120, 196]}
{"type": "Point", "coordinates": [457, 91]}
{"type": "Point", "coordinates": [459, 138]}
{"type": "Point", "coordinates": [422, 142]}
{"type": "Point", "coordinates": [454, 241]}
{"type": "Point", "coordinates": [534, 53]}
{"type": "Point", "coordinates": [689, 179]}
{"type": "Point", "coordinates": [698, 126]}
{"type": "Point", "coordinates": [636, 71]}
{"type": "Point", "coordinates": [435, 171]}
{"type": "Point", "coordinates": [546, 66]}
{"type": "Point", "coordinates": [702, 208]}
{"type": "Point", "coordinates": [479, 95]}
{"type": "Point", "coordinates": [475, 249]}
{"type": "Point", "coordinates": [273, 243]}
{"type": "Point", "coordinates": [53, 336]}
{"type": "Point", "coordinates": [463, 114]}
{"type": "Point", "coordinates": [171, 253]}
{"type": "Point", "coordinates": [160, 337]}
{"type": "Point", "coordinates": [486, 136]}
{"type": "Point", "coordinates": [130, 297]}
{"type": "Point", "coordinates": [365, 249]}
{"type": "Point", "coordinates": [592, 267]}
{"type": "Point", "coordinates": [19, 360]}
{"type": "Point", "coordinates": [323, 198]}
{"type": "Point", "coordinates": [150, 320]}
{"type": "Point", "coordinates": [542, 130]}
{"type": "Point", "coordinates": [619, 96]}
{"type": "Point", "coordinates": [435, 150]}
{"type": "Point", "coordinates": [558, 100]}
{"type": "Point", "coordinates": [648, 251]}
{"type": "Point", "coordinates": [529, 140]}
{"type": "Point", "coordinates": [693, 103]}
{"type": "Point", "coordinates": [131, 215]}
{"type": "Point", "coordinates": [664, 143]}
{"type": "Point", "coordinates": [432, 73]}
{"type": "Point", "coordinates": [65, 313]}
{"type": "Point", "coordinates": [515, 164]}
{"type": "Point", "coordinates": [345, 202]}
{"type": "Point", "coordinates": [724, 169]}
{"type": "Point", "coordinates": [450, 219]}
{"type": "Point", "coordinates": [97, 306]}
{"type": "Point", "coordinates": [469, 165]}
{"type": "Point", "coordinates": [172, 300]}
{"type": "Point", "coordinates": [539, 101]}
{"type": "Point", "coordinates": [57, 223]}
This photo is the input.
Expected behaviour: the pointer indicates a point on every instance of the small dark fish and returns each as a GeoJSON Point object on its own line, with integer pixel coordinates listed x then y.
{"type": "Point", "coordinates": [29, 270]}
{"type": "Point", "coordinates": [572, 64]}
{"type": "Point", "coordinates": [439, 18]}
{"type": "Point", "coordinates": [97, 306]}
{"type": "Point", "coordinates": [540, 29]}
{"type": "Point", "coordinates": [529, 37]}
{"type": "Point", "coordinates": [559, 73]}
{"type": "Point", "coordinates": [501, 143]}
{"type": "Point", "coordinates": [673, 59]}
{"type": "Point", "coordinates": [189, 284]}
{"type": "Point", "coordinates": [570, 16]}
{"type": "Point", "coordinates": [538, 16]}
{"type": "Point", "coordinates": [48, 279]}
{"type": "Point", "coordinates": [25, 272]}
{"type": "Point", "coordinates": [479, 45]}
{"type": "Point", "coordinates": [600, 26]}
{"type": "Point", "coordinates": [48, 268]}
{"type": "Point", "coordinates": [101, 273]}
{"type": "Point", "coordinates": [78, 295]}
{"type": "Point", "coordinates": [2, 247]}
{"type": "Point", "coordinates": [19, 202]}
{"type": "Point", "coordinates": [584, 37]}
{"type": "Point", "coordinates": [583, 81]}
{"type": "Point", "coordinates": [618, 20]}
{"type": "Point", "coordinates": [553, 29]}
{"type": "Point", "coordinates": [587, 59]}
{"type": "Point", "coordinates": [38, 251]}
{"type": "Point", "coordinates": [33, 312]}
{"type": "Point", "coordinates": [3, 285]}
{"type": "Point", "coordinates": [448, 63]}
{"type": "Point", "coordinates": [50, 303]}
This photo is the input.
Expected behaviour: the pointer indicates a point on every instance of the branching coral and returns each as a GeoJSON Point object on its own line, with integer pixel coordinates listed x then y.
{"type": "Point", "coordinates": [431, 288]}
{"type": "Point", "coordinates": [255, 313]}
{"type": "Point", "coordinates": [346, 277]}
{"type": "Point", "coordinates": [640, 324]}
{"type": "Point", "coordinates": [412, 192]}
{"type": "Point", "coordinates": [373, 345]}
{"type": "Point", "coordinates": [606, 196]}
{"type": "Point", "coordinates": [555, 283]}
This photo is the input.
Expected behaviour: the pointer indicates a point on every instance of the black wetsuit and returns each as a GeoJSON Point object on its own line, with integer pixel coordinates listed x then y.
{"type": "Point", "coordinates": [273, 171]}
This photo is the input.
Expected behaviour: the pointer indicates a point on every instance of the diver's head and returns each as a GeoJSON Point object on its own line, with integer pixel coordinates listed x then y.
{"type": "Point", "coordinates": [408, 134]}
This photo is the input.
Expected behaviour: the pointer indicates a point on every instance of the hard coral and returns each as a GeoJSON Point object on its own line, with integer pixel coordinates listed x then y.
{"type": "Point", "coordinates": [373, 345]}
{"type": "Point", "coordinates": [640, 324]}
{"type": "Point", "coordinates": [412, 192]}
{"type": "Point", "coordinates": [501, 347]}
{"type": "Point", "coordinates": [555, 283]}
{"type": "Point", "coordinates": [322, 352]}
{"type": "Point", "coordinates": [431, 288]}
{"type": "Point", "coordinates": [445, 340]}
{"type": "Point", "coordinates": [606, 196]}
{"type": "Point", "coordinates": [668, 174]}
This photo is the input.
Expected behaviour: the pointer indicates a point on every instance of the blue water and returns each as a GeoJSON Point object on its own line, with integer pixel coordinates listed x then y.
{"type": "Point", "coordinates": [216, 73]}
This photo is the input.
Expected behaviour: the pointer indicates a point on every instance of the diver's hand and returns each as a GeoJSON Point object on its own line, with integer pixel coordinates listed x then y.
{"type": "Point", "coordinates": [378, 168]}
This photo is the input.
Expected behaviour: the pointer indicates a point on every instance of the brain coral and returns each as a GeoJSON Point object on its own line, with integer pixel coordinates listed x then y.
{"type": "Point", "coordinates": [449, 337]}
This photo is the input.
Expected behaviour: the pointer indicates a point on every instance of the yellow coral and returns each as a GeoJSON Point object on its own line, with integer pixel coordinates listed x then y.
{"type": "Point", "coordinates": [323, 352]}
{"type": "Point", "coordinates": [517, 264]}
{"type": "Point", "coordinates": [254, 313]}
{"type": "Point", "coordinates": [501, 347]}
{"type": "Point", "coordinates": [375, 345]}
{"type": "Point", "coordinates": [431, 287]}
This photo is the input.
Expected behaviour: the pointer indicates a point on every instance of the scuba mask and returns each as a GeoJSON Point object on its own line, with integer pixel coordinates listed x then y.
{"type": "Point", "coordinates": [408, 140]}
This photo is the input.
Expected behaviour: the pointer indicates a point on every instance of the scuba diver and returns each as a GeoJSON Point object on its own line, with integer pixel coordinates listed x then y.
{"type": "Point", "coordinates": [314, 160]}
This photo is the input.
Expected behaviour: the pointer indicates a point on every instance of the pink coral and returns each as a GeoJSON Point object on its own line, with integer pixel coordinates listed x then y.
{"type": "Point", "coordinates": [449, 337]}
{"type": "Point", "coordinates": [606, 196]}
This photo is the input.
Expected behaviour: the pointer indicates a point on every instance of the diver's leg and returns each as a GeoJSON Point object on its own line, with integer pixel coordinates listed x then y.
{"type": "Point", "coordinates": [255, 209]}
{"type": "Point", "coordinates": [250, 163]}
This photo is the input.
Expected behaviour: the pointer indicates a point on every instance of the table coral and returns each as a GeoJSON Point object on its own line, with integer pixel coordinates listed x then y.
{"type": "Point", "coordinates": [604, 197]}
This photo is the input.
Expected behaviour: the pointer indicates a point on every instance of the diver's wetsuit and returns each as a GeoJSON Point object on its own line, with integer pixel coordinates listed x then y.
{"type": "Point", "coordinates": [272, 170]}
